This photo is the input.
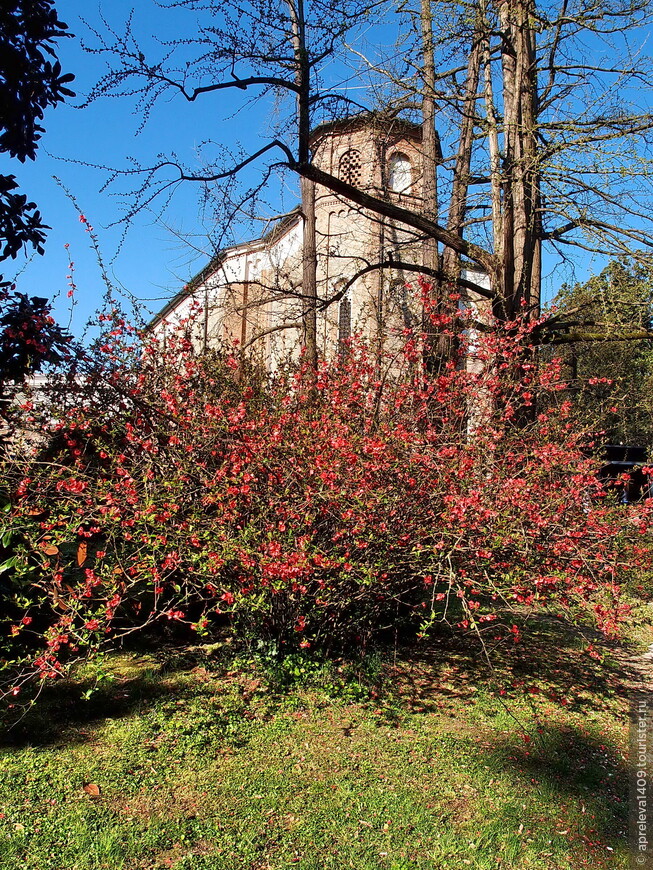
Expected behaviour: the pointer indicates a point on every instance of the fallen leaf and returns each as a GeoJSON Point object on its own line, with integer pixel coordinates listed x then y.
{"type": "Point", "coordinates": [91, 789]}
{"type": "Point", "coordinates": [58, 601]}
{"type": "Point", "coordinates": [81, 553]}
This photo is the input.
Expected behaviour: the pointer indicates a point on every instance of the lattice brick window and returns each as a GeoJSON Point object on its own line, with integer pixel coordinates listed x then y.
{"type": "Point", "coordinates": [349, 168]}
{"type": "Point", "coordinates": [344, 320]}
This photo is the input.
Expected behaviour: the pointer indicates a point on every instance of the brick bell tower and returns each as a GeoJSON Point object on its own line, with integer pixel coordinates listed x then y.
{"type": "Point", "coordinates": [382, 157]}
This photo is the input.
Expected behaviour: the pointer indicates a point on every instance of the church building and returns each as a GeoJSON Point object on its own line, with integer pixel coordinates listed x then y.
{"type": "Point", "coordinates": [251, 294]}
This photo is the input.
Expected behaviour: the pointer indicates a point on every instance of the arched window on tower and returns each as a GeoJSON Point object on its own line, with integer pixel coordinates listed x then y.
{"type": "Point", "coordinates": [400, 311]}
{"type": "Point", "coordinates": [400, 173]}
{"type": "Point", "coordinates": [344, 320]}
{"type": "Point", "coordinates": [344, 316]}
{"type": "Point", "coordinates": [349, 168]}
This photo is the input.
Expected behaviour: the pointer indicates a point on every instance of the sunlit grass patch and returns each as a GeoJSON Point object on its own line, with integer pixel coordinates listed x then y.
{"type": "Point", "coordinates": [427, 761]}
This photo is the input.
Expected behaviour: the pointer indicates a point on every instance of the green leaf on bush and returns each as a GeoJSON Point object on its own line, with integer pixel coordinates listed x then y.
{"type": "Point", "coordinates": [8, 564]}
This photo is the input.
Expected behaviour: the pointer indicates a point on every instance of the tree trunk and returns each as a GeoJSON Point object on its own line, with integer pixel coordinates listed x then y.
{"type": "Point", "coordinates": [521, 190]}
{"type": "Point", "coordinates": [309, 273]}
{"type": "Point", "coordinates": [458, 205]}
{"type": "Point", "coordinates": [492, 126]}
{"type": "Point", "coordinates": [437, 346]}
{"type": "Point", "coordinates": [430, 151]}
{"type": "Point", "coordinates": [309, 254]}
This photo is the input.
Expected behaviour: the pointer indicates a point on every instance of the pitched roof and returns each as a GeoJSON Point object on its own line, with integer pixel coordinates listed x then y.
{"type": "Point", "coordinates": [281, 226]}
{"type": "Point", "coordinates": [368, 119]}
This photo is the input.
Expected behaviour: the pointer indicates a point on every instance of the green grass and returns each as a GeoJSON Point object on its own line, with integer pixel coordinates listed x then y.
{"type": "Point", "coordinates": [430, 761]}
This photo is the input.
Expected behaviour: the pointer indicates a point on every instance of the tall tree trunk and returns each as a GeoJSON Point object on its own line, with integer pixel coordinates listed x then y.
{"type": "Point", "coordinates": [309, 273]}
{"type": "Point", "coordinates": [430, 150]}
{"type": "Point", "coordinates": [309, 255]}
{"type": "Point", "coordinates": [492, 126]}
{"type": "Point", "coordinates": [521, 190]}
{"type": "Point", "coordinates": [532, 290]}
{"type": "Point", "coordinates": [437, 347]}
{"type": "Point", "coordinates": [504, 298]}
{"type": "Point", "coordinates": [460, 188]}
{"type": "Point", "coordinates": [440, 347]}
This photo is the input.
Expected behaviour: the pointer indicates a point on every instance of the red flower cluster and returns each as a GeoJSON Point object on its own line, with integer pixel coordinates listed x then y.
{"type": "Point", "coordinates": [313, 508]}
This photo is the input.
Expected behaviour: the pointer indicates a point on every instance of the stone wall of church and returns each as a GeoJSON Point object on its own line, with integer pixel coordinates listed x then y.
{"type": "Point", "coordinates": [253, 295]}
{"type": "Point", "coordinates": [385, 161]}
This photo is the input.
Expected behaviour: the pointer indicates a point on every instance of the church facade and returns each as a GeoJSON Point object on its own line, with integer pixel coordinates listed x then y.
{"type": "Point", "coordinates": [250, 295]}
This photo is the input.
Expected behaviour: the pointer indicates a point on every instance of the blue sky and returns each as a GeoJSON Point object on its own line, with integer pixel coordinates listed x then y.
{"type": "Point", "coordinates": [154, 260]}
{"type": "Point", "coordinates": [159, 253]}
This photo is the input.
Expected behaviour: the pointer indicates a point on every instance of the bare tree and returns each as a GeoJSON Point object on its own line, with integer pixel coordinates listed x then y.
{"type": "Point", "coordinates": [267, 51]}
{"type": "Point", "coordinates": [543, 108]}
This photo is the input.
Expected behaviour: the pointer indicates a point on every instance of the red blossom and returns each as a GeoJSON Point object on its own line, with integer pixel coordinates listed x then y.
{"type": "Point", "coordinates": [203, 487]}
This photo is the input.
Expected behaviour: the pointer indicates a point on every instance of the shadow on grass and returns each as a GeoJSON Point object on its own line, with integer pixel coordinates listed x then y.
{"type": "Point", "coordinates": [552, 658]}
{"type": "Point", "coordinates": [444, 673]}
{"type": "Point", "coordinates": [574, 766]}
{"type": "Point", "coordinates": [63, 713]}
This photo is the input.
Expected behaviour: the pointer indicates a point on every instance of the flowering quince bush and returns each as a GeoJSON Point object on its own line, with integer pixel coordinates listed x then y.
{"type": "Point", "coordinates": [309, 509]}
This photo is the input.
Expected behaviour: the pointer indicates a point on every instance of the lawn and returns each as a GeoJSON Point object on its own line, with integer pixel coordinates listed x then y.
{"type": "Point", "coordinates": [205, 759]}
